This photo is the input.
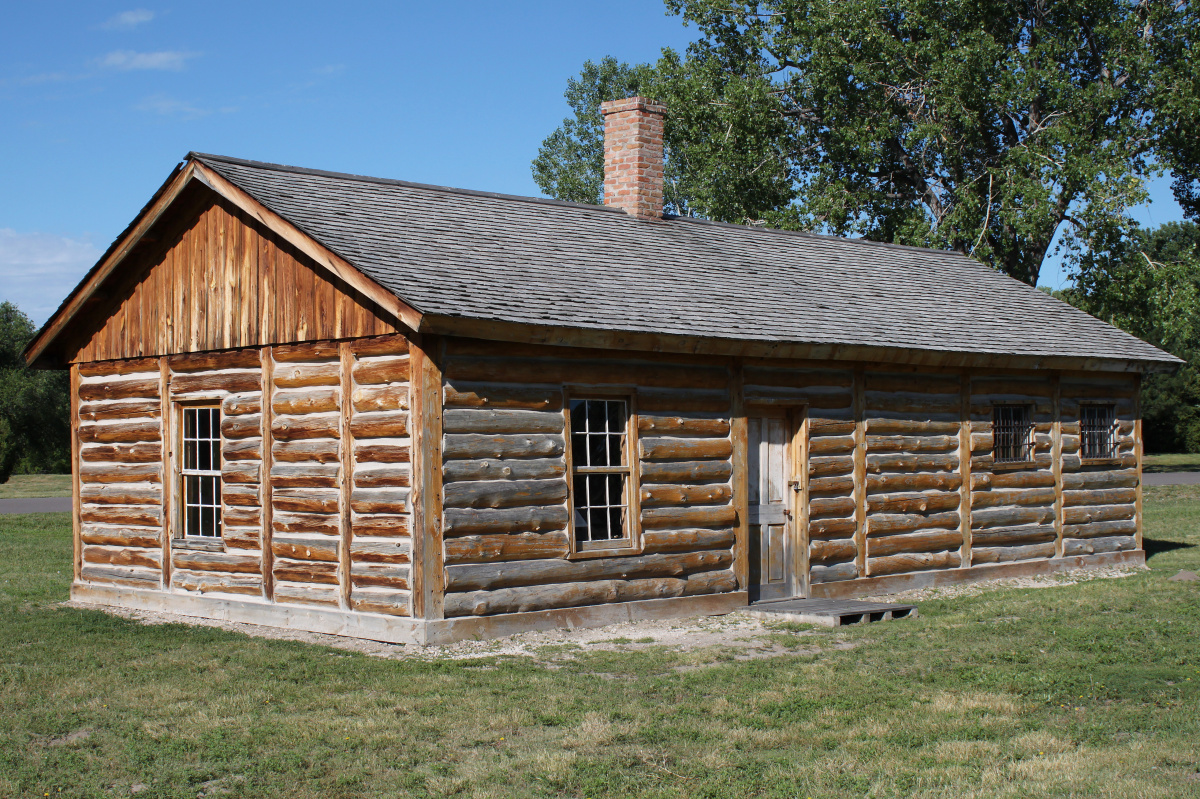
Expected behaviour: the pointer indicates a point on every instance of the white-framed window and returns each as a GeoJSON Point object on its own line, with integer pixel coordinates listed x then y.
{"type": "Point", "coordinates": [1012, 434]}
{"type": "Point", "coordinates": [601, 455]}
{"type": "Point", "coordinates": [200, 472]}
{"type": "Point", "coordinates": [1097, 431]}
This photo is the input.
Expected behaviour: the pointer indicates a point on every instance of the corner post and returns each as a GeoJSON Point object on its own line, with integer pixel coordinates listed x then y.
{"type": "Point", "coordinates": [860, 473]}
{"type": "Point", "coordinates": [964, 465]}
{"type": "Point", "coordinates": [166, 438]}
{"type": "Point", "coordinates": [738, 429]}
{"type": "Point", "coordinates": [427, 580]}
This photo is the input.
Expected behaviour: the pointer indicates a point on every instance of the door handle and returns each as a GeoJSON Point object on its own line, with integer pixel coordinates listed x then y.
{"type": "Point", "coordinates": [794, 485]}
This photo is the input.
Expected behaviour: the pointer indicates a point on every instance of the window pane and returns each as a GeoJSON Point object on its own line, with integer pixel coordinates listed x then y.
{"type": "Point", "coordinates": [596, 421]}
{"type": "Point", "coordinates": [579, 450]}
{"type": "Point", "coordinates": [598, 451]}
{"type": "Point", "coordinates": [189, 423]}
{"type": "Point", "coordinates": [578, 416]}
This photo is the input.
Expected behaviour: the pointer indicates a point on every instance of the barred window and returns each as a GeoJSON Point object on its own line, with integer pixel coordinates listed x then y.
{"type": "Point", "coordinates": [600, 471]}
{"type": "Point", "coordinates": [1012, 434]}
{"type": "Point", "coordinates": [200, 475]}
{"type": "Point", "coordinates": [1098, 431]}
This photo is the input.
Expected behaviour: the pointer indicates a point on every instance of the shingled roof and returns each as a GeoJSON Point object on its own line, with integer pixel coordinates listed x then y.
{"type": "Point", "coordinates": [459, 253]}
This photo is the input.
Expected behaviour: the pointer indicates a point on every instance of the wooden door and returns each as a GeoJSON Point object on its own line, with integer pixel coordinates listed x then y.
{"type": "Point", "coordinates": [771, 507]}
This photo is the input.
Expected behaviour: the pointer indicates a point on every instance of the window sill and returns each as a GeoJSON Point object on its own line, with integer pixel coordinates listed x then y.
{"type": "Point", "coordinates": [1014, 466]}
{"type": "Point", "coordinates": [195, 542]}
{"type": "Point", "coordinates": [625, 548]}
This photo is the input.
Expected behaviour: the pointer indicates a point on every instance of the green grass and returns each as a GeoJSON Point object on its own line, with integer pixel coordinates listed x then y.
{"type": "Point", "coordinates": [1089, 689]}
{"type": "Point", "coordinates": [1180, 462]}
{"type": "Point", "coordinates": [36, 485]}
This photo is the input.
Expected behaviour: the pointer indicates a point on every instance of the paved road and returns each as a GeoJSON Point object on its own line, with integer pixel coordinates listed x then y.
{"type": "Point", "coordinates": [35, 505]}
{"type": "Point", "coordinates": [1172, 479]}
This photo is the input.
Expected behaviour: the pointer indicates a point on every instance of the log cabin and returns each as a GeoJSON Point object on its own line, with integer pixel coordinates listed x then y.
{"type": "Point", "coordinates": [418, 414]}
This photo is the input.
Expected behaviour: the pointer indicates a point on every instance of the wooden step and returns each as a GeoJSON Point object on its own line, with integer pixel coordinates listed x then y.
{"type": "Point", "coordinates": [830, 612]}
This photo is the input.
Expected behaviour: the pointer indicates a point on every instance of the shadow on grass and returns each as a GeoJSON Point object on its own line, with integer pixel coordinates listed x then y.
{"type": "Point", "coordinates": [1155, 546]}
{"type": "Point", "coordinates": [1163, 468]}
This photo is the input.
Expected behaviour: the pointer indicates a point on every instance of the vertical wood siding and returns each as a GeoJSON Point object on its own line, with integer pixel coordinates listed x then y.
{"type": "Point", "coordinates": [221, 281]}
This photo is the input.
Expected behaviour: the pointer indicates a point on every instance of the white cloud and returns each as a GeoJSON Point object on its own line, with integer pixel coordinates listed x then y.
{"type": "Point", "coordinates": [128, 19]}
{"type": "Point", "coordinates": [37, 270]}
{"type": "Point", "coordinates": [163, 60]}
{"type": "Point", "coordinates": [167, 106]}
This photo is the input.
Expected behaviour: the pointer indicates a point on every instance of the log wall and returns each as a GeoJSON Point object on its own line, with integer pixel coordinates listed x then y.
{"type": "Point", "coordinates": [506, 544]}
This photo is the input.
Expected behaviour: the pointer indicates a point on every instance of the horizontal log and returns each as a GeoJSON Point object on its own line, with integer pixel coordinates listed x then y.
{"type": "Point", "coordinates": [391, 344]}
{"type": "Point", "coordinates": [198, 560]}
{"type": "Point", "coordinates": [472, 445]}
{"type": "Point", "coordinates": [306, 547]}
{"type": "Point", "coordinates": [379, 425]}
{"type": "Point", "coordinates": [917, 561]}
{"type": "Point", "coordinates": [122, 432]}
{"type": "Point", "coordinates": [292, 522]}
{"type": "Point", "coordinates": [384, 550]}
{"type": "Point", "coordinates": [242, 516]}
{"type": "Point", "coordinates": [120, 536]}
{"type": "Point", "coordinates": [241, 404]}
{"type": "Point", "coordinates": [1004, 385]}
{"type": "Point", "coordinates": [308, 351]}
{"type": "Point", "coordinates": [669, 401]}
{"type": "Point", "coordinates": [820, 427]}
{"type": "Point", "coordinates": [1009, 554]}
{"type": "Point", "coordinates": [897, 483]}
{"type": "Point", "coordinates": [304, 571]}
{"type": "Point", "coordinates": [496, 421]}
{"type": "Point", "coordinates": [207, 582]}
{"type": "Point", "coordinates": [721, 581]}
{"type": "Point", "coordinates": [397, 475]}
{"type": "Point", "coordinates": [1100, 529]}
{"type": "Point", "coordinates": [247, 426]}
{"type": "Point", "coordinates": [914, 502]}
{"type": "Point", "coordinates": [306, 500]}
{"type": "Point", "coordinates": [832, 573]}
{"type": "Point", "coordinates": [1086, 514]}
{"type": "Point", "coordinates": [140, 516]}
{"type": "Point", "coordinates": [923, 541]}
{"type": "Point", "coordinates": [493, 576]}
{"type": "Point", "coordinates": [830, 465]}
{"type": "Point", "coordinates": [664, 425]}
{"type": "Point", "coordinates": [380, 600]}
{"type": "Point", "coordinates": [370, 451]}
{"type": "Point", "coordinates": [832, 528]}
{"type": "Point", "coordinates": [470, 521]}
{"type": "Point", "coordinates": [1096, 546]}
{"type": "Point", "coordinates": [841, 485]}
{"type": "Point", "coordinates": [121, 453]}
{"type": "Point", "coordinates": [506, 547]}
{"type": "Point", "coordinates": [120, 472]}
{"type": "Point", "coordinates": [1020, 479]}
{"type": "Point", "coordinates": [825, 552]}
{"type": "Point", "coordinates": [247, 472]}
{"type": "Point", "coordinates": [911, 443]}
{"type": "Point", "coordinates": [547, 597]}
{"type": "Point", "coordinates": [394, 526]}
{"type": "Point", "coordinates": [304, 475]}
{"type": "Point", "coordinates": [659, 494]}
{"type": "Point", "coordinates": [686, 471]}
{"type": "Point", "coordinates": [912, 383]}
{"type": "Point", "coordinates": [243, 495]}
{"type": "Point", "coordinates": [233, 382]}
{"type": "Point", "coordinates": [123, 556]}
{"type": "Point", "coordinates": [299, 402]}
{"type": "Point", "coordinates": [1027, 496]}
{"type": "Point", "coordinates": [910, 427]}
{"type": "Point", "coordinates": [663, 541]}
{"type": "Point", "coordinates": [677, 449]}
{"type": "Point", "coordinates": [1008, 517]}
{"type": "Point", "coordinates": [135, 576]}
{"type": "Point", "coordinates": [129, 409]}
{"type": "Point", "coordinates": [121, 494]}
{"type": "Point", "coordinates": [799, 378]}
{"type": "Point", "coordinates": [241, 538]}
{"type": "Point", "coordinates": [212, 361]}
{"type": "Point", "coordinates": [379, 500]}
{"type": "Point", "coordinates": [291, 428]}
{"type": "Point", "coordinates": [380, 398]}
{"type": "Point", "coordinates": [494, 469]}
{"type": "Point", "coordinates": [1100, 496]}
{"type": "Point", "coordinates": [321, 450]}
{"type": "Point", "coordinates": [830, 445]}
{"type": "Point", "coordinates": [122, 367]}
{"type": "Point", "coordinates": [142, 388]}
{"type": "Point", "coordinates": [707, 516]}
{"type": "Point", "coordinates": [838, 506]}
{"type": "Point", "coordinates": [246, 449]}
{"type": "Point", "coordinates": [891, 524]}
{"type": "Point", "coordinates": [593, 372]}
{"type": "Point", "coordinates": [504, 493]}
{"type": "Point", "coordinates": [1014, 536]}
{"type": "Point", "coordinates": [815, 399]}
{"type": "Point", "coordinates": [911, 402]}
{"type": "Point", "coordinates": [911, 463]}
{"type": "Point", "coordinates": [307, 594]}
{"type": "Point", "coordinates": [383, 575]}
{"type": "Point", "coordinates": [307, 375]}
{"type": "Point", "coordinates": [389, 370]}
{"type": "Point", "coordinates": [491, 395]}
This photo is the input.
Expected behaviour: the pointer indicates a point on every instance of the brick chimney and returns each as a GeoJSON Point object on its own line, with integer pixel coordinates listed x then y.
{"type": "Point", "coordinates": [633, 156]}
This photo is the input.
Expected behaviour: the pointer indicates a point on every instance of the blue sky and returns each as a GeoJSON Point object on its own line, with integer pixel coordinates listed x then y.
{"type": "Point", "coordinates": [99, 101]}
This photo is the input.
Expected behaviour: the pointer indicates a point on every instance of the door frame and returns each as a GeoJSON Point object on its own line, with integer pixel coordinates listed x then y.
{"type": "Point", "coordinates": [796, 462]}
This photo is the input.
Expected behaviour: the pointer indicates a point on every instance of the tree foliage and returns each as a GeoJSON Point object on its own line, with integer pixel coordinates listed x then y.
{"type": "Point", "coordinates": [1149, 285]}
{"type": "Point", "coordinates": [984, 127]}
{"type": "Point", "coordinates": [34, 409]}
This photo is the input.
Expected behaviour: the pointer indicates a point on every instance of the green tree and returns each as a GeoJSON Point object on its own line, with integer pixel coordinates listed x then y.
{"type": "Point", "coordinates": [1149, 285]}
{"type": "Point", "coordinates": [34, 408]}
{"type": "Point", "coordinates": [987, 128]}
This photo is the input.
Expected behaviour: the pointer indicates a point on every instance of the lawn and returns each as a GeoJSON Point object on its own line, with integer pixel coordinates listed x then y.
{"type": "Point", "coordinates": [20, 486]}
{"type": "Point", "coordinates": [1180, 462]}
{"type": "Point", "coordinates": [1089, 689]}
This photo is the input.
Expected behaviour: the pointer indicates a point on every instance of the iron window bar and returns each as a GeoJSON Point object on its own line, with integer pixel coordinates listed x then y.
{"type": "Point", "coordinates": [200, 474]}
{"type": "Point", "coordinates": [1097, 431]}
{"type": "Point", "coordinates": [1012, 434]}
